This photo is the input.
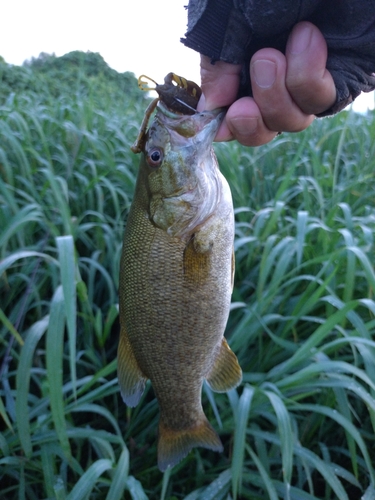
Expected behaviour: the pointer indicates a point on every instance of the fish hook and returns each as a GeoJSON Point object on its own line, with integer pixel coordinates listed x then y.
{"type": "Point", "coordinates": [177, 93]}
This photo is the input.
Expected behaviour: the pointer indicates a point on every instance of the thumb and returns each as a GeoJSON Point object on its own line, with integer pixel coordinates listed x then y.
{"type": "Point", "coordinates": [219, 82]}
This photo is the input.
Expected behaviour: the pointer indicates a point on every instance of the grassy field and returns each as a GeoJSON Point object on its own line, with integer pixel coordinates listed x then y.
{"type": "Point", "coordinates": [301, 426]}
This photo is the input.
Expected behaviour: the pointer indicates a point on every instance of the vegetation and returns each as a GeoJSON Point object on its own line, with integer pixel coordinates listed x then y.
{"type": "Point", "coordinates": [50, 76]}
{"type": "Point", "coordinates": [302, 424]}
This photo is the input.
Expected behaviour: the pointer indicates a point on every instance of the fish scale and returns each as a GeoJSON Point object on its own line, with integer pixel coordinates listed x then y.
{"type": "Point", "coordinates": [176, 282]}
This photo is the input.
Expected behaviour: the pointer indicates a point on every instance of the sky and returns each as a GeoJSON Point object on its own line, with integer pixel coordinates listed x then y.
{"type": "Point", "coordinates": [142, 36]}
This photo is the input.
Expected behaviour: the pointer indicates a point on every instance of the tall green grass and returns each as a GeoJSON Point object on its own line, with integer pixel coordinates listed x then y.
{"type": "Point", "coordinates": [301, 426]}
{"type": "Point", "coordinates": [304, 319]}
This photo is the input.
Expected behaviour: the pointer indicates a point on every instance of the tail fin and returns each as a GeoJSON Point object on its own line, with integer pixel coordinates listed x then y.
{"type": "Point", "coordinates": [174, 445]}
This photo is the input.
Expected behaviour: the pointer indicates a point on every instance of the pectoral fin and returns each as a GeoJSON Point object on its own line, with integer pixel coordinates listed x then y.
{"type": "Point", "coordinates": [131, 379]}
{"type": "Point", "coordinates": [226, 373]}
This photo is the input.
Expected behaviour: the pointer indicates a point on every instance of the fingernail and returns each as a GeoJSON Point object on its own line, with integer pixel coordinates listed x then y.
{"type": "Point", "coordinates": [300, 39]}
{"type": "Point", "coordinates": [201, 106]}
{"type": "Point", "coordinates": [264, 73]}
{"type": "Point", "coordinates": [242, 126]}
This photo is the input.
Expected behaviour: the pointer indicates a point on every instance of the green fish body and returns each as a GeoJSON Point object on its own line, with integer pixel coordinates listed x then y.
{"type": "Point", "coordinates": [176, 281]}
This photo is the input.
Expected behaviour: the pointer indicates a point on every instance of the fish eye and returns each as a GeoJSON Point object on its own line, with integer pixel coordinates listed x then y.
{"type": "Point", "coordinates": [155, 157]}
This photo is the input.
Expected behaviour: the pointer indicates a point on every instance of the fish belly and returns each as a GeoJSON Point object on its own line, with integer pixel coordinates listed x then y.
{"type": "Point", "coordinates": [174, 305]}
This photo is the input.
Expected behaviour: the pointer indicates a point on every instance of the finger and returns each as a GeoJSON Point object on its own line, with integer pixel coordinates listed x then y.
{"type": "Point", "coordinates": [219, 82]}
{"type": "Point", "coordinates": [279, 111]}
{"type": "Point", "coordinates": [243, 120]}
{"type": "Point", "coordinates": [244, 123]}
{"type": "Point", "coordinates": [309, 83]}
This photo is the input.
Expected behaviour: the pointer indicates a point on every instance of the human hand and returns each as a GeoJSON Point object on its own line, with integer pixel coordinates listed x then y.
{"type": "Point", "coordinates": [288, 90]}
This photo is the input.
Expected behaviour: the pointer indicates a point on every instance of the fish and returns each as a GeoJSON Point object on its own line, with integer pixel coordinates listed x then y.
{"type": "Point", "coordinates": [176, 278]}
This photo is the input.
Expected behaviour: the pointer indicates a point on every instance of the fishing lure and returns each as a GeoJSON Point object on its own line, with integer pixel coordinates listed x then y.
{"type": "Point", "coordinates": [176, 93]}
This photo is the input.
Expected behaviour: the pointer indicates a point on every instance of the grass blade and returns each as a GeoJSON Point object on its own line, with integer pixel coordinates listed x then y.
{"type": "Point", "coordinates": [286, 437]}
{"type": "Point", "coordinates": [10, 327]}
{"type": "Point", "coordinates": [65, 245]}
{"type": "Point", "coordinates": [219, 487]}
{"type": "Point", "coordinates": [119, 477]}
{"type": "Point", "coordinates": [48, 464]}
{"type": "Point", "coordinates": [23, 383]}
{"type": "Point", "coordinates": [242, 416]}
{"type": "Point", "coordinates": [166, 477]}
{"type": "Point", "coordinates": [54, 354]}
{"type": "Point", "coordinates": [4, 416]}
{"type": "Point", "coordinates": [135, 489]}
{"type": "Point", "coordinates": [86, 483]}
{"type": "Point", "coordinates": [271, 490]}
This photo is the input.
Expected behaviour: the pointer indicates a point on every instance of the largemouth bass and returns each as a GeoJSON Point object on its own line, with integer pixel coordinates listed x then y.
{"type": "Point", "coordinates": [176, 280]}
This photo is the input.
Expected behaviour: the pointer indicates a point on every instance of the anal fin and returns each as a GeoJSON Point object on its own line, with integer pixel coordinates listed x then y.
{"type": "Point", "coordinates": [131, 379]}
{"type": "Point", "coordinates": [226, 373]}
{"type": "Point", "coordinates": [174, 445]}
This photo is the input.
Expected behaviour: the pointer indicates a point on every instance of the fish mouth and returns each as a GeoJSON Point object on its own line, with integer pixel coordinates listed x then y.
{"type": "Point", "coordinates": [174, 114]}
{"type": "Point", "coordinates": [202, 123]}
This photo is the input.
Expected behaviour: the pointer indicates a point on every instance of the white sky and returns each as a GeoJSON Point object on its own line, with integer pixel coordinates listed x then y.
{"type": "Point", "coordinates": [142, 36]}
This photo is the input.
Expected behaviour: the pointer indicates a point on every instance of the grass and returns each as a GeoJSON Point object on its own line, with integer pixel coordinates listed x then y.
{"type": "Point", "coordinates": [301, 426]}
